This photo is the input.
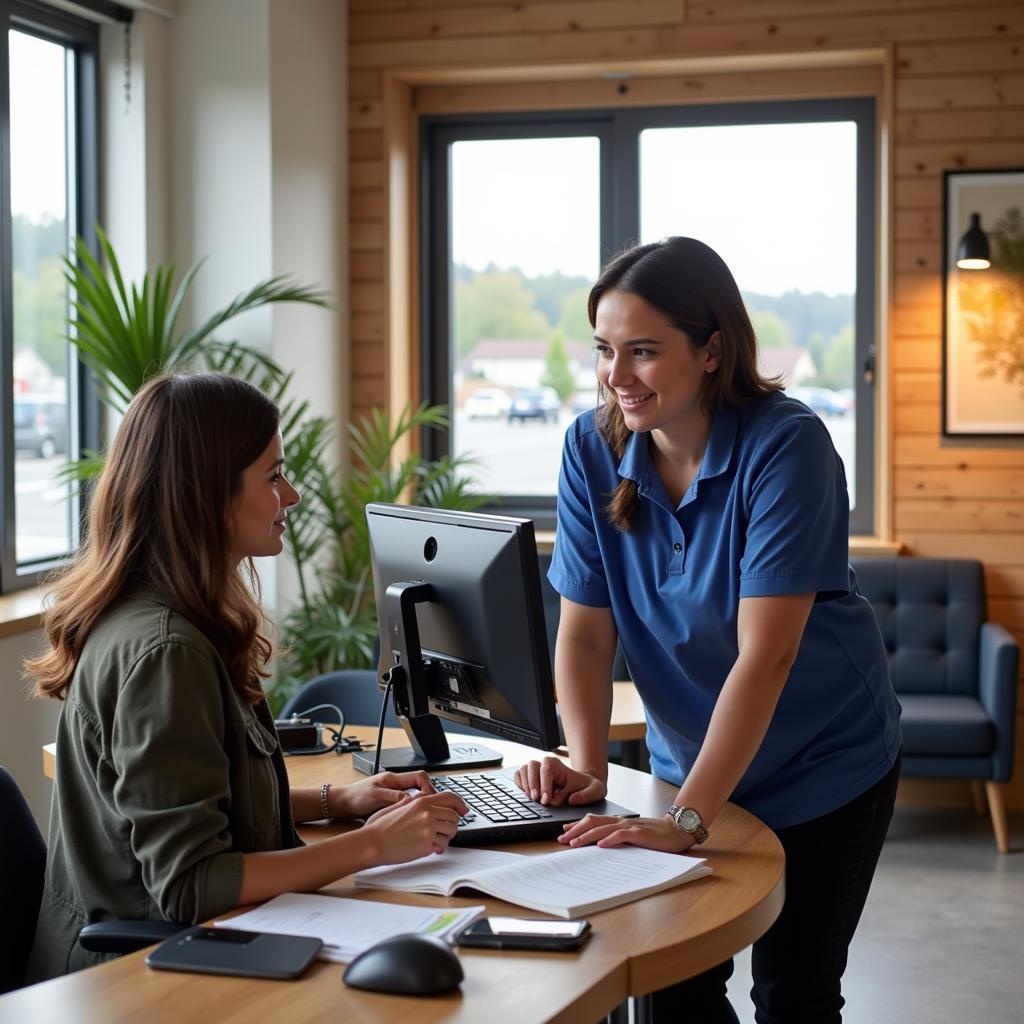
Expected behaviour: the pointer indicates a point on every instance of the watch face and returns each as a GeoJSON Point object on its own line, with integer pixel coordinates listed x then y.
{"type": "Point", "coordinates": [689, 820]}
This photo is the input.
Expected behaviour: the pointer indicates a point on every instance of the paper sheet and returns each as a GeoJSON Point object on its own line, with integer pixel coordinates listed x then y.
{"type": "Point", "coordinates": [347, 927]}
{"type": "Point", "coordinates": [438, 869]}
{"type": "Point", "coordinates": [593, 873]}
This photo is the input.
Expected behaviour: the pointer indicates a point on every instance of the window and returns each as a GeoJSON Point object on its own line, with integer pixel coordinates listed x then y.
{"type": "Point", "coordinates": [523, 244]}
{"type": "Point", "coordinates": [47, 197]}
{"type": "Point", "coordinates": [520, 213]}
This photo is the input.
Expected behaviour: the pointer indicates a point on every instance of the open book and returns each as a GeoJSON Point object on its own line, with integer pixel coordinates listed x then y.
{"type": "Point", "coordinates": [567, 883]}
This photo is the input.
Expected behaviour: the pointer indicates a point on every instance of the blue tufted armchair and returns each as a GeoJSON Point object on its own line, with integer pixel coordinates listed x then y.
{"type": "Point", "coordinates": [955, 673]}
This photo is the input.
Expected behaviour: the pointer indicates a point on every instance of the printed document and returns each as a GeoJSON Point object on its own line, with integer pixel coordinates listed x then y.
{"type": "Point", "coordinates": [347, 927]}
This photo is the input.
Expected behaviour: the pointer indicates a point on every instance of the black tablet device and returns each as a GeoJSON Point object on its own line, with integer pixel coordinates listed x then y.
{"type": "Point", "coordinates": [230, 951]}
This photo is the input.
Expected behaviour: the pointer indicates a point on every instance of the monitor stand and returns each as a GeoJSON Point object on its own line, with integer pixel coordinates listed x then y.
{"type": "Point", "coordinates": [429, 751]}
{"type": "Point", "coordinates": [461, 756]}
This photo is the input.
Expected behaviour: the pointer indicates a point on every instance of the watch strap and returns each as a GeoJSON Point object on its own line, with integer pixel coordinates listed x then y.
{"type": "Point", "coordinates": [698, 832]}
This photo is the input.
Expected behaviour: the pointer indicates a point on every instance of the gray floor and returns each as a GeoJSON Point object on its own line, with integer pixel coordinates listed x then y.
{"type": "Point", "coordinates": [942, 936]}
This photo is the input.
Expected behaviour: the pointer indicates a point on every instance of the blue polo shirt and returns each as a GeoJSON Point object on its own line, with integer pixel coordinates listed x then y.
{"type": "Point", "coordinates": [767, 514]}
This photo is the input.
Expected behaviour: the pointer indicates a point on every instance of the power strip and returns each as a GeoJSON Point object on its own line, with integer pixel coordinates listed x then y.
{"type": "Point", "coordinates": [297, 733]}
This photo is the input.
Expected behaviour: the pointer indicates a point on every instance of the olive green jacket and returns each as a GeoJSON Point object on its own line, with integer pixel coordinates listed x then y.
{"type": "Point", "coordinates": [165, 777]}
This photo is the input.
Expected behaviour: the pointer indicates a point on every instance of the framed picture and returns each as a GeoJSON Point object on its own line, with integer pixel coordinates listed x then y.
{"type": "Point", "coordinates": [983, 305]}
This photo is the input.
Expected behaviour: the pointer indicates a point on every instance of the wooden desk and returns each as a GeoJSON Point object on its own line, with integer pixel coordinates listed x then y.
{"type": "Point", "coordinates": [628, 722]}
{"type": "Point", "coordinates": [635, 949]}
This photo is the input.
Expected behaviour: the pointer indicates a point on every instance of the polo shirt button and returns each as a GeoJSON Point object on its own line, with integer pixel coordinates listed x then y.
{"type": "Point", "coordinates": [677, 547]}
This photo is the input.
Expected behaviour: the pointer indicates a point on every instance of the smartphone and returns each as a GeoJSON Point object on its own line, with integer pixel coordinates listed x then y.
{"type": "Point", "coordinates": [524, 933]}
{"type": "Point", "coordinates": [231, 951]}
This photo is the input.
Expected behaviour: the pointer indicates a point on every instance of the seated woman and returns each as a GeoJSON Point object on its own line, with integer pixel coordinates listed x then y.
{"type": "Point", "coordinates": [171, 797]}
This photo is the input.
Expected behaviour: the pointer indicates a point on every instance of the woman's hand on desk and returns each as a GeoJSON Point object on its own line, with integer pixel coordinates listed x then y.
{"type": "Point", "coordinates": [650, 833]}
{"type": "Point", "coordinates": [361, 799]}
{"type": "Point", "coordinates": [552, 781]}
{"type": "Point", "coordinates": [414, 827]}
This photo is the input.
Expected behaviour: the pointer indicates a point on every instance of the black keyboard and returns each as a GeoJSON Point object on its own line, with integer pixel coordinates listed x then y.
{"type": "Point", "coordinates": [490, 797]}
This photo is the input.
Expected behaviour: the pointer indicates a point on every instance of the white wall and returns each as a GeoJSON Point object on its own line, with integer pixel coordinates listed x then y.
{"type": "Point", "coordinates": [309, 188]}
{"type": "Point", "coordinates": [309, 191]}
{"type": "Point", "coordinates": [133, 156]}
{"type": "Point", "coordinates": [219, 153]}
{"type": "Point", "coordinates": [233, 151]}
{"type": "Point", "coordinates": [258, 181]}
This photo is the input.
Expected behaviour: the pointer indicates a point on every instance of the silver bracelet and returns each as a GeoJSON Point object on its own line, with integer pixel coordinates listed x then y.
{"type": "Point", "coordinates": [324, 806]}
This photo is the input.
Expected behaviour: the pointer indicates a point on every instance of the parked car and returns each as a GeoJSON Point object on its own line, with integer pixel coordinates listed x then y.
{"type": "Point", "coordinates": [823, 401]}
{"type": "Point", "coordinates": [535, 404]}
{"type": "Point", "coordinates": [848, 397]}
{"type": "Point", "coordinates": [41, 424]}
{"type": "Point", "coordinates": [583, 401]}
{"type": "Point", "coordinates": [487, 403]}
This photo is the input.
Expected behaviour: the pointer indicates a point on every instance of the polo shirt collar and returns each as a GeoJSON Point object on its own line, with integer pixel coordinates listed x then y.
{"type": "Point", "coordinates": [721, 442]}
{"type": "Point", "coordinates": [636, 460]}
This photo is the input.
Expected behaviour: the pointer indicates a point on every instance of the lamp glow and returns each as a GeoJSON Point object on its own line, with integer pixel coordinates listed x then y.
{"type": "Point", "coordinates": [973, 252]}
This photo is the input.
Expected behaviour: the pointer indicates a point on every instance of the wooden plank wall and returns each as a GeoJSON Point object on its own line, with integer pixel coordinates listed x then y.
{"type": "Point", "coordinates": [956, 83]}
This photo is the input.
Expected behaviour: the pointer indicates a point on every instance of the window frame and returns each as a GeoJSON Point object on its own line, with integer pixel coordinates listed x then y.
{"type": "Point", "coordinates": [619, 131]}
{"type": "Point", "coordinates": [83, 37]}
{"type": "Point", "coordinates": [436, 293]}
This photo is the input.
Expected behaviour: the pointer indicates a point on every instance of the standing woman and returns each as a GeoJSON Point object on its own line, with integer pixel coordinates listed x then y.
{"type": "Point", "coordinates": [171, 798]}
{"type": "Point", "coordinates": [702, 522]}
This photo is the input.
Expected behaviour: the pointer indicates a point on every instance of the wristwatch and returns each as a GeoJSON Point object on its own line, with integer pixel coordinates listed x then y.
{"type": "Point", "coordinates": [688, 820]}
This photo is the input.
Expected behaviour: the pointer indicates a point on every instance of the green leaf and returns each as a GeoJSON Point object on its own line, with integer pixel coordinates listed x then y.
{"type": "Point", "coordinates": [79, 471]}
{"type": "Point", "coordinates": [126, 334]}
{"type": "Point", "coordinates": [274, 289]}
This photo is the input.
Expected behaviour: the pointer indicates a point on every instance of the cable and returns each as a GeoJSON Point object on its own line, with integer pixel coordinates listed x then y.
{"type": "Point", "coordinates": [339, 744]}
{"type": "Point", "coordinates": [389, 679]}
{"type": "Point", "coordinates": [317, 707]}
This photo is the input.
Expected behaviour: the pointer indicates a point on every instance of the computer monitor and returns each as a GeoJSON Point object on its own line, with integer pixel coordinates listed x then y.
{"type": "Point", "coordinates": [462, 633]}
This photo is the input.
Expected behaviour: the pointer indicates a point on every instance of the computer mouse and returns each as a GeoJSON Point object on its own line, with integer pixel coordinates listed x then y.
{"type": "Point", "coordinates": [413, 965]}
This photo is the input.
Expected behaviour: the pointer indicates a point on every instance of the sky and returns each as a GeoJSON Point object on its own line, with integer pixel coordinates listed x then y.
{"type": "Point", "coordinates": [37, 127]}
{"type": "Point", "coordinates": [531, 203]}
{"type": "Point", "coordinates": [778, 202]}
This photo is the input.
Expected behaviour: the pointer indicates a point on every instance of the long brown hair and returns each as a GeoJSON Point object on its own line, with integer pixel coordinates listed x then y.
{"type": "Point", "coordinates": [160, 519]}
{"type": "Point", "coordinates": [690, 285]}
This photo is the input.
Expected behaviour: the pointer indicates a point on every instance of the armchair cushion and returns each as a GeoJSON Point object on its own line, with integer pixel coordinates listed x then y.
{"type": "Point", "coordinates": [948, 725]}
{"type": "Point", "coordinates": [955, 674]}
{"type": "Point", "coordinates": [930, 612]}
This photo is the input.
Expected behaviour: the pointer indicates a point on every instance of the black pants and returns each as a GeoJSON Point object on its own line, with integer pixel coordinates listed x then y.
{"type": "Point", "coordinates": [798, 963]}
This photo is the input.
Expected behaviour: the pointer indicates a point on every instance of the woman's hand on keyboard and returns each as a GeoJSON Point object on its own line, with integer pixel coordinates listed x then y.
{"type": "Point", "coordinates": [361, 799]}
{"type": "Point", "coordinates": [553, 782]}
{"type": "Point", "coordinates": [413, 828]}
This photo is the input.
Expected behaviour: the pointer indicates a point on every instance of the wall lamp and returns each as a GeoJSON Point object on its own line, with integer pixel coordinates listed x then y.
{"type": "Point", "coordinates": [981, 336]}
{"type": "Point", "coordinates": [973, 252]}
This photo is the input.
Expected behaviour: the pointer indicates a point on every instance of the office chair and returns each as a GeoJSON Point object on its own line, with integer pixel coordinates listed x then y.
{"type": "Point", "coordinates": [955, 673]}
{"type": "Point", "coordinates": [22, 863]}
{"type": "Point", "coordinates": [22, 867]}
{"type": "Point", "coordinates": [355, 692]}
{"type": "Point", "coordinates": [352, 690]}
